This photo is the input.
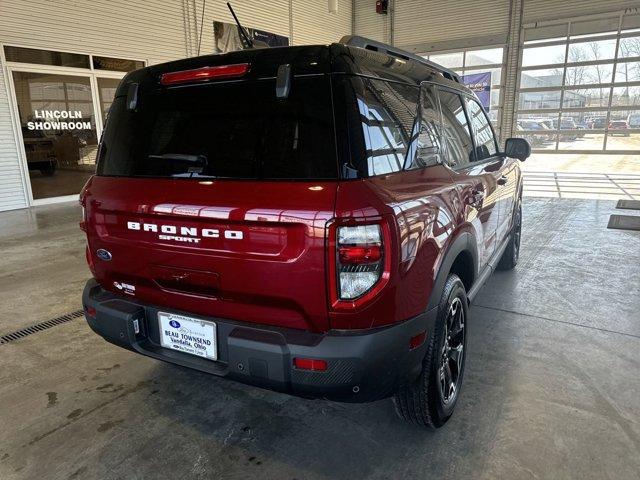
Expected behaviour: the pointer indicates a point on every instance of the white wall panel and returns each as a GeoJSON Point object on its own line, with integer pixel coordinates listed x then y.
{"type": "Point", "coordinates": [370, 24]}
{"type": "Point", "coordinates": [313, 24]}
{"type": "Point", "coordinates": [12, 188]}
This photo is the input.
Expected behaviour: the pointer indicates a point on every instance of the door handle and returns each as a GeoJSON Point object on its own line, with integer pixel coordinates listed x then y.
{"type": "Point", "coordinates": [502, 180]}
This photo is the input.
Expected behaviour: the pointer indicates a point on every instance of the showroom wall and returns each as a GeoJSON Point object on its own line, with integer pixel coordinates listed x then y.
{"type": "Point", "coordinates": [154, 31]}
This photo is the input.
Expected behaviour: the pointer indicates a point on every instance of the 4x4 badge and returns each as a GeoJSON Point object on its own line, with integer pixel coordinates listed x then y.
{"type": "Point", "coordinates": [103, 254]}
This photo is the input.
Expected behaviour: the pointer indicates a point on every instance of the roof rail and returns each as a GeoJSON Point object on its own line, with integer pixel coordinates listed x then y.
{"type": "Point", "coordinates": [366, 43]}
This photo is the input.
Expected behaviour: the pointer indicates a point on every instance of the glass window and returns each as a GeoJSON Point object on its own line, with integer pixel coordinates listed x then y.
{"type": "Point", "coordinates": [450, 60]}
{"type": "Point", "coordinates": [593, 50]}
{"type": "Point", "coordinates": [106, 91]}
{"type": "Point", "coordinates": [627, 72]}
{"type": "Point", "coordinates": [427, 151]}
{"type": "Point", "coordinates": [489, 56]}
{"type": "Point", "coordinates": [226, 130]}
{"type": "Point", "coordinates": [116, 64]}
{"type": "Point", "coordinates": [629, 47]}
{"type": "Point", "coordinates": [494, 99]}
{"type": "Point", "coordinates": [589, 74]}
{"type": "Point", "coordinates": [548, 55]}
{"type": "Point", "coordinates": [538, 122]}
{"type": "Point", "coordinates": [46, 57]}
{"type": "Point", "coordinates": [59, 132]}
{"type": "Point", "coordinates": [586, 98]}
{"type": "Point", "coordinates": [388, 113]}
{"type": "Point", "coordinates": [455, 130]}
{"type": "Point", "coordinates": [546, 77]}
{"type": "Point", "coordinates": [485, 141]}
{"type": "Point", "coordinates": [626, 96]}
{"type": "Point", "coordinates": [539, 100]}
{"type": "Point", "coordinates": [619, 137]}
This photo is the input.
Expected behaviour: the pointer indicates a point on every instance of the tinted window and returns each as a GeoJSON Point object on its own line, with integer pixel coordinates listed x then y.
{"type": "Point", "coordinates": [387, 113]}
{"type": "Point", "coordinates": [46, 57]}
{"type": "Point", "coordinates": [455, 130]}
{"type": "Point", "coordinates": [426, 149]}
{"type": "Point", "coordinates": [226, 130]}
{"type": "Point", "coordinates": [483, 134]}
{"type": "Point", "coordinates": [117, 64]}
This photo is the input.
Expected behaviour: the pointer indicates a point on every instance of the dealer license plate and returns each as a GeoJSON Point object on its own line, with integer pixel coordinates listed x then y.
{"type": "Point", "coordinates": [188, 335]}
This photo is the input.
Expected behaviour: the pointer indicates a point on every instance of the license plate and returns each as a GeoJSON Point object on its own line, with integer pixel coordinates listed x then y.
{"type": "Point", "coordinates": [188, 335]}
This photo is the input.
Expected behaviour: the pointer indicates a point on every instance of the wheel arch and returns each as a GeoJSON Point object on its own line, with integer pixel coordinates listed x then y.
{"type": "Point", "coordinates": [460, 258]}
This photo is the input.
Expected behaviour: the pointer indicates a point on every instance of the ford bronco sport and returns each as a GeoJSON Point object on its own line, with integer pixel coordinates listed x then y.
{"type": "Point", "coordinates": [313, 220]}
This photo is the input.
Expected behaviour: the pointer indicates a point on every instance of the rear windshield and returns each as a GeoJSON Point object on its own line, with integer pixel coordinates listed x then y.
{"type": "Point", "coordinates": [237, 130]}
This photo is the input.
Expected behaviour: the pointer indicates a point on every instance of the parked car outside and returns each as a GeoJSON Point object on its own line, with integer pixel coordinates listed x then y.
{"type": "Point", "coordinates": [619, 127]}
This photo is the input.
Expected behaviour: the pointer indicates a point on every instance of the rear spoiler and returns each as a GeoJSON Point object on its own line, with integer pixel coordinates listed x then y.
{"type": "Point", "coordinates": [368, 44]}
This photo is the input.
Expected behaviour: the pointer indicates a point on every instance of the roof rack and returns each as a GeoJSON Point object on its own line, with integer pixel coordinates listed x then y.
{"type": "Point", "coordinates": [368, 44]}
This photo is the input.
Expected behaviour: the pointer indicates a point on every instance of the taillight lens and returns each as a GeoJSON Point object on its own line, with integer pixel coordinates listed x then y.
{"type": "Point", "coordinates": [359, 259]}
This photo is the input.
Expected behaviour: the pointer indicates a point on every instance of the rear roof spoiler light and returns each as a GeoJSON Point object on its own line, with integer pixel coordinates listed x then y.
{"type": "Point", "coordinates": [205, 73]}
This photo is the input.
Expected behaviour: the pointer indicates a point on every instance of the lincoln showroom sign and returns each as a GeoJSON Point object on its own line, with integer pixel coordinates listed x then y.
{"type": "Point", "coordinates": [58, 120]}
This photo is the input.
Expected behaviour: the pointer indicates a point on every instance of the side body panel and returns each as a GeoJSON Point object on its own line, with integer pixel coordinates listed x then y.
{"type": "Point", "coordinates": [422, 207]}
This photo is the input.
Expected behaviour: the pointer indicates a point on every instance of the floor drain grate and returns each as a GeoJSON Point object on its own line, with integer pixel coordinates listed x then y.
{"type": "Point", "coordinates": [25, 332]}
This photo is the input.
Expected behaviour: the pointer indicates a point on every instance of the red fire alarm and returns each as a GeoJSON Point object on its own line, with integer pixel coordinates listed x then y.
{"type": "Point", "coordinates": [381, 6]}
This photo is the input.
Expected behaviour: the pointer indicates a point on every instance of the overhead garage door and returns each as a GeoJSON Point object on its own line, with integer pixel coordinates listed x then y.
{"type": "Point", "coordinates": [580, 92]}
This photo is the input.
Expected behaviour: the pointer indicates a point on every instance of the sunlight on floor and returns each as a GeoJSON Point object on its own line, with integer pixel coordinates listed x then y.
{"type": "Point", "coordinates": [601, 186]}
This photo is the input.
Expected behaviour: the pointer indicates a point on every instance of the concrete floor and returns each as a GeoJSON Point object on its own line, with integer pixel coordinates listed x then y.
{"type": "Point", "coordinates": [552, 387]}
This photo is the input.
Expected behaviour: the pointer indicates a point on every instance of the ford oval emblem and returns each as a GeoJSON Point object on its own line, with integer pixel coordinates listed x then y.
{"type": "Point", "coordinates": [103, 254]}
{"type": "Point", "coordinates": [174, 324]}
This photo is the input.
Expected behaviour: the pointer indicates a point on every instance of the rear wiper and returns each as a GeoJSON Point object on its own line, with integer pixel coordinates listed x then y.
{"type": "Point", "coordinates": [199, 161]}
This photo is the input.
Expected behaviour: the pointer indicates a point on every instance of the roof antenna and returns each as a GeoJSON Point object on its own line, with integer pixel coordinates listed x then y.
{"type": "Point", "coordinates": [246, 40]}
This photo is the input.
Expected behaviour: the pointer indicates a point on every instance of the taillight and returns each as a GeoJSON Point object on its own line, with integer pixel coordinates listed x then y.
{"type": "Point", "coordinates": [360, 263]}
{"type": "Point", "coordinates": [359, 260]}
{"type": "Point", "coordinates": [204, 74]}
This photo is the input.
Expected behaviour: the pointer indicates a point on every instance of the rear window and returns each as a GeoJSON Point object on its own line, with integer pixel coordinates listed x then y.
{"type": "Point", "coordinates": [237, 130]}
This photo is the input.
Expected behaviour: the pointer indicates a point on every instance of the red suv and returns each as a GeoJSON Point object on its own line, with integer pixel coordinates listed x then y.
{"type": "Point", "coordinates": [313, 220]}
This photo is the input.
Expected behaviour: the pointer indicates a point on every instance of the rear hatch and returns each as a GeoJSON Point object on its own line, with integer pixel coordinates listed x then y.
{"type": "Point", "coordinates": [212, 197]}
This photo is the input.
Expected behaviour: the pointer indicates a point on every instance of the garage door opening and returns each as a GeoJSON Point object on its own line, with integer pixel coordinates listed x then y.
{"type": "Point", "coordinates": [579, 107]}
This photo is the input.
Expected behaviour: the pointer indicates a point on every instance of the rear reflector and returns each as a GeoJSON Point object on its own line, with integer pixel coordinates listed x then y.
{"type": "Point", "coordinates": [204, 74]}
{"type": "Point", "coordinates": [310, 364]}
{"type": "Point", "coordinates": [91, 312]}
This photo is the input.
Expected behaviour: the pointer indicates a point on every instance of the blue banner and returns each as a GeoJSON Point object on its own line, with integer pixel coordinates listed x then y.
{"type": "Point", "coordinates": [480, 84]}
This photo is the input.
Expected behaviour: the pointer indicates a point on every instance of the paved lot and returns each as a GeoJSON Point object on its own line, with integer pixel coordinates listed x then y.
{"type": "Point", "coordinates": [551, 391]}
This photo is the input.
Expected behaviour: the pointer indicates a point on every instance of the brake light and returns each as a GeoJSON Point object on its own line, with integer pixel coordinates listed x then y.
{"type": "Point", "coordinates": [361, 264]}
{"type": "Point", "coordinates": [205, 73]}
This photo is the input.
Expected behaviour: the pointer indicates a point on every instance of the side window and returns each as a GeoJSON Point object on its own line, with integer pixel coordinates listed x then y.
{"type": "Point", "coordinates": [387, 112]}
{"type": "Point", "coordinates": [455, 130]}
{"type": "Point", "coordinates": [485, 140]}
{"type": "Point", "coordinates": [426, 149]}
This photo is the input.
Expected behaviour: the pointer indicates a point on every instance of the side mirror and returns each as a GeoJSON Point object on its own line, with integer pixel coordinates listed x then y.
{"type": "Point", "coordinates": [517, 148]}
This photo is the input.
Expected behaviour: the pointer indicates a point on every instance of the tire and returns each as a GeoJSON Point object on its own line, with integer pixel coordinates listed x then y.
{"type": "Point", "coordinates": [511, 254]}
{"type": "Point", "coordinates": [424, 402]}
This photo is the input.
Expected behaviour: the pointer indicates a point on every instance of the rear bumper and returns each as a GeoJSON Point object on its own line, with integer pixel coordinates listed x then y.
{"type": "Point", "coordinates": [362, 366]}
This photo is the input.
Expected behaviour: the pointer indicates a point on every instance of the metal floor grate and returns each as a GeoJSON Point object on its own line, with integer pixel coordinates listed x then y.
{"type": "Point", "coordinates": [25, 332]}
